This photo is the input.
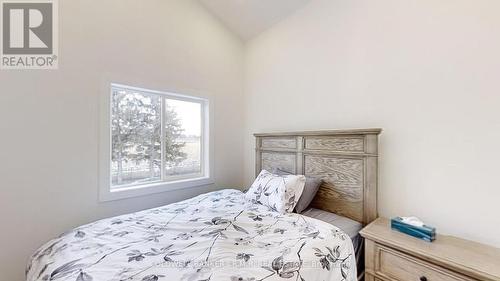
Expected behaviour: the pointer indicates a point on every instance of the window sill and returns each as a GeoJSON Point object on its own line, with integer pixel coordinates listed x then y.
{"type": "Point", "coordinates": [107, 194]}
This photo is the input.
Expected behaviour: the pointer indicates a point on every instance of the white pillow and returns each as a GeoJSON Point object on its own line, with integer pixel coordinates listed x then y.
{"type": "Point", "coordinates": [280, 193]}
{"type": "Point", "coordinates": [294, 189]}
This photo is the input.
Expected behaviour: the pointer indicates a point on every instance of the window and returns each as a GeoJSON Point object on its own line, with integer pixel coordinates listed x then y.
{"type": "Point", "coordinates": [156, 141]}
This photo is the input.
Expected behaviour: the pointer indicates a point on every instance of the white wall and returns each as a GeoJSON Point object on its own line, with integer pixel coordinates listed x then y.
{"type": "Point", "coordinates": [49, 119]}
{"type": "Point", "coordinates": [425, 71]}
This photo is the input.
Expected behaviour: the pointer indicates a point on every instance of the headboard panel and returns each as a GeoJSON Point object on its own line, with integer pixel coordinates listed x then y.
{"type": "Point", "coordinates": [346, 160]}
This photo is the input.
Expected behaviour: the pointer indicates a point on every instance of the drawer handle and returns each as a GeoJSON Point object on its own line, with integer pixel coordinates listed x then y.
{"type": "Point", "coordinates": [423, 278]}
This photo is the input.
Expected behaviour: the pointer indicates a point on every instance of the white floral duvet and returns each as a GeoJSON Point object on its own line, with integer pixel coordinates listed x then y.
{"type": "Point", "coordinates": [214, 236]}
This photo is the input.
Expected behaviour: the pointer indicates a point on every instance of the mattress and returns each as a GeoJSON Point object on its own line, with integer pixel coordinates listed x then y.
{"type": "Point", "coordinates": [214, 236]}
{"type": "Point", "coordinates": [349, 226]}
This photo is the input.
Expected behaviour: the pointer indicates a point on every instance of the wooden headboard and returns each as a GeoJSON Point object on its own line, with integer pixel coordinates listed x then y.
{"type": "Point", "coordinates": [346, 160]}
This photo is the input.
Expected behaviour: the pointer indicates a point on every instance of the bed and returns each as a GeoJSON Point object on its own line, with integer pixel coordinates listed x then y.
{"type": "Point", "coordinates": [346, 160]}
{"type": "Point", "coordinates": [222, 236]}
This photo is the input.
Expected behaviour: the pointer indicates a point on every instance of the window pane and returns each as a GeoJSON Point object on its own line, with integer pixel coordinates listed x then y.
{"type": "Point", "coordinates": [136, 145]}
{"type": "Point", "coordinates": [182, 138]}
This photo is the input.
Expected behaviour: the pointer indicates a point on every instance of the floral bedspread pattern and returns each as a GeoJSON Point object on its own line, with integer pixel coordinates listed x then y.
{"type": "Point", "coordinates": [214, 236]}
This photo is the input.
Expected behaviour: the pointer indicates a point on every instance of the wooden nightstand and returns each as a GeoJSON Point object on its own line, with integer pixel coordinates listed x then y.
{"type": "Point", "coordinates": [394, 256]}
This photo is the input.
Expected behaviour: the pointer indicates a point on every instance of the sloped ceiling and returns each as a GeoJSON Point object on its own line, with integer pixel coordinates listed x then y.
{"type": "Point", "coordinates": [248, 18]}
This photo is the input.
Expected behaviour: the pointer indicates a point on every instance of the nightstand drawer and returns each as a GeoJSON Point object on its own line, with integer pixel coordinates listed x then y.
{"type": "Point", "coordinates": [393, 256]}
{"type": "Point", "coordinates": [402, 267]}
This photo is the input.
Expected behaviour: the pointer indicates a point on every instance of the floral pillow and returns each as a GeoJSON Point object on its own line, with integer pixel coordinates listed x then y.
{"type": "Point", "coordinates": [280, 193]}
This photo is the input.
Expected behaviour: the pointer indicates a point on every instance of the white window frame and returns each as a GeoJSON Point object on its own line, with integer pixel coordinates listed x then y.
{"type": "Point", "coordinates": [107, 193]}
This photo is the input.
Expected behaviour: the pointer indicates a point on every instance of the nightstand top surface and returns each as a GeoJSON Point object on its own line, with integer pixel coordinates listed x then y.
{"type": "Point", "coordinates": [471, 258]}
